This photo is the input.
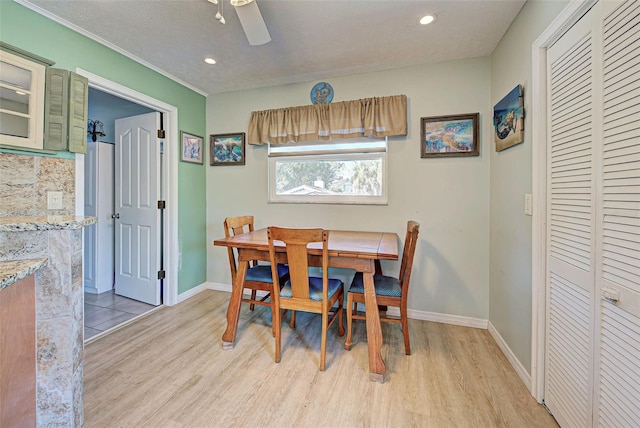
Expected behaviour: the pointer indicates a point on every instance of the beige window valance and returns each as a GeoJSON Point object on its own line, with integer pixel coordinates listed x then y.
{"type": "Point", "coordinates": [375, 117]}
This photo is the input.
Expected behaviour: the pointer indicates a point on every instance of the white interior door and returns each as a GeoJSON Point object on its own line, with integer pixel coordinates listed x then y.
{"type": "Point", "coordinates": [137, 172]}
{"type": "Point", "coordinates": [573, 132]}
{"type": "Point", "coordinates": [98, 202]}
{"type": "Point", "coordinates": [592, 374]}
{"type": "Point", "coordinates": [618, 356]}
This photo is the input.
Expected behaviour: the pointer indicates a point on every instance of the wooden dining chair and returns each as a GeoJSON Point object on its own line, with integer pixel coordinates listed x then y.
{"type": "Point", "coordinates": [302, 292]}
{"type": "Point", "coordinates": [390, 291]}
{"type": "Point", "coordinates": [258, 277]}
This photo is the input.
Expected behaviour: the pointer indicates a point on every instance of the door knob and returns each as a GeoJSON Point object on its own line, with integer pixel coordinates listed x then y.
{"type": "Point", "coordinates": [115, 215]}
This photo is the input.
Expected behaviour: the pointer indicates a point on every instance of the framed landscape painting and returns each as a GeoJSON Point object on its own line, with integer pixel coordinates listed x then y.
{"type": "Point", "coordinates": [227, 149]}
{"type": "Point", "coordinates": [508, 120]}
{"type": "Point", "coordinates": [456, 135]}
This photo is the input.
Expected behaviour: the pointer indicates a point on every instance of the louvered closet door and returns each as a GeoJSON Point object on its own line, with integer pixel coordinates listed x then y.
{"type": "Point", "coordinates": [618, 389]}
{"type": "Point", "coordinates": [569, 376]}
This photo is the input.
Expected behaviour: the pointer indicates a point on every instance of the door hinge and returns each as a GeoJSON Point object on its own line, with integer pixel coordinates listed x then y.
{"type": "Point", "coordinates": [161, 274]}
{"type": "Point", "coordinates": [162, 205]}
{"type": "Point", "coordinates": [161, 133]}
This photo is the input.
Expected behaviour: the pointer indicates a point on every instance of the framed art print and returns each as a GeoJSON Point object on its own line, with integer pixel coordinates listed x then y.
{"type": "Point", "coordinates": [444, 136]}
{"type": "Point", "coordinates": [508, 120]}
{"type": "Point", "coordinates": [227, 149]}
{"type": "Point", "coordinates": [191, 148]}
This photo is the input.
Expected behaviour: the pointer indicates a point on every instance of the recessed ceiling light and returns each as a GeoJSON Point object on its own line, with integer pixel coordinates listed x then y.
{"type": "Point", "coordinates": [427, 19]}
{"type": "Point", "coordinates": [210, 60]}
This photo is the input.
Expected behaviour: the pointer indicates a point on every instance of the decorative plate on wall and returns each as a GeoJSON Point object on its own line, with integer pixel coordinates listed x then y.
{"type": "Point", "coordinates": [321, 93]}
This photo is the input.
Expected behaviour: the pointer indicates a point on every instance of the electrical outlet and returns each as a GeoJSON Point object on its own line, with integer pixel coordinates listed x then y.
{"type": "Point", "coordinates": [528, 204]}
{"type": "Point", "coordinates": [54, 200]}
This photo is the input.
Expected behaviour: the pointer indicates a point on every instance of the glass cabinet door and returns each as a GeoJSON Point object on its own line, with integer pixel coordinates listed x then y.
{"type": "Point", "coordinates": [21, 101]}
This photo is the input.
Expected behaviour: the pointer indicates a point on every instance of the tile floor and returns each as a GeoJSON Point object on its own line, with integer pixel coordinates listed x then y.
{"type": "Point", "coordinates": [106, 310]}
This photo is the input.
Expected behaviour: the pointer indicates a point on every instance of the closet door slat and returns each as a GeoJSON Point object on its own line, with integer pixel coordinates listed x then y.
{"type": "Point", "coordinates": [618, 385]}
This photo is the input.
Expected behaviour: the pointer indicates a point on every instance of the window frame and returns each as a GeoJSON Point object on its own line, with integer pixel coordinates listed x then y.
{"type": "Point", "coordinates": [326, 153]}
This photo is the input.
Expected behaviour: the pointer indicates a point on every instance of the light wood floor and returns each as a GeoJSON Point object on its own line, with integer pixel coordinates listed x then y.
{"type": "Point", "coordinates": [169, 370]}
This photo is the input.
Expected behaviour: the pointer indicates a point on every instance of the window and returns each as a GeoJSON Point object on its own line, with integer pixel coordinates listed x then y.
{"type": "Point", "coordinates": [21, 101]}
{"type": "Point", "coordinates": [340, 172]}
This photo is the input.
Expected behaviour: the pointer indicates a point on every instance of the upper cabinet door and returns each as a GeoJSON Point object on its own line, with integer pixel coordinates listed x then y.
{"type": "Point", "coordinates": [78, 115]}
{"type": "Point", "coordinates": [66, 111]}
{"type": "Point", "coordinates": [21, 101]}
{"type": "Point", "coordinates": [56, 109]}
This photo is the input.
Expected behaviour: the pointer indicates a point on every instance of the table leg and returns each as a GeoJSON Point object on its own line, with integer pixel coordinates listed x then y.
{"type": "Point", "coordinates": [379, 272]}
{"type": "Point", "coordinates": [377, 367]}
{"type": "Point", "coordinates": [233, 311]}
{"type": "Point", "coordinates": [378, 267]}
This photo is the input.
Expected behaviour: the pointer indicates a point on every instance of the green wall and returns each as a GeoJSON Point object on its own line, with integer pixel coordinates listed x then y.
{"type": "Point", "coordinates": [32, 32]}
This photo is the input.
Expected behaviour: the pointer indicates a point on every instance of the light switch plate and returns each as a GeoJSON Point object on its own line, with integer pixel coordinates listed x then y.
{"type": "Point", "coordinates": [54, 200]}
{"type": "Point", "coordinates": [528, 204]}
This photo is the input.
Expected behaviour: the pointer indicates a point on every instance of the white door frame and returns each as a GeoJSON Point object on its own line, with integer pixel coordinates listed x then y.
{"type": "Point", "coordinates": [569, 16]}
{"type": "Point", "coordinates": [169, 177]}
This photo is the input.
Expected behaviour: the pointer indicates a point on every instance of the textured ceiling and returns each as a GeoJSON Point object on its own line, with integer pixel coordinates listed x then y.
{"type": "Point", "coordinates": [311, 39]}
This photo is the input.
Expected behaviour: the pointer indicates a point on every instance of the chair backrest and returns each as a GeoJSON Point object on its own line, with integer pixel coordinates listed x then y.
{"type": "Point", "coordinates": [296, 242]}
{"type": "Point", "coordinates": [236, 226]}
{"type": "Point", "coordinates": [413, 228]}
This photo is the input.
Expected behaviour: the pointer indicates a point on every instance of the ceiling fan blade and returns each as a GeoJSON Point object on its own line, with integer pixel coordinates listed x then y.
{"type": "Point", "coordinates": [253, 24]}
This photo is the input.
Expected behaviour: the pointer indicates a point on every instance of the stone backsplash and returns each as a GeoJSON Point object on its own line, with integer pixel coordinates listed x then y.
{"type": "Point", "coordinates": [26, 179]}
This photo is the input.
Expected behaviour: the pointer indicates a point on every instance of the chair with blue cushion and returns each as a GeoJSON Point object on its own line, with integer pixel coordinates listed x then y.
{"type": "Point", "coordinates": [390, 291]}
{"type": "Point", "coordinates": [258, 277]}
{"type": "Point", "coordinates": [301, 292]}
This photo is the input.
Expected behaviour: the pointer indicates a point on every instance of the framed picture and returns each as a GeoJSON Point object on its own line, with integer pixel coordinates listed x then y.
{"type": "Point", "coordinates": [443, 136]}
{"type": "Point", "coordinates": [508, 120]}
{"type": "Point", "coordinates": [227, 149]}
{"type": "Point", "coordinates": [191, 148]}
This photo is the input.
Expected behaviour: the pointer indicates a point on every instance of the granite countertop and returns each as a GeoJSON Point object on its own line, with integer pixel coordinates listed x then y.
{"type": "Point", "coordinates": [22, 224]}
{"type": "Point", "coordinates": [13, 271]}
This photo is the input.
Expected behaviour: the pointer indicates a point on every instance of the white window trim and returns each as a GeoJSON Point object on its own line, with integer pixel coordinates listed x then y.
{"type": "Point", "coordinates": [364, 153]}
{"type": "Point", "coordinates": [36, 103]}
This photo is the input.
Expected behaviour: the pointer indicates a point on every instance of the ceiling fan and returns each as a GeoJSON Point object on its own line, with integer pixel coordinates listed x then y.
{"type": "Point", "coordinates": [250, 18]}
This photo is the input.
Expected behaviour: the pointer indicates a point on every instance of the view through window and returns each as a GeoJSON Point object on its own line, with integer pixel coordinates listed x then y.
{"type": "Point", "coordinates": [349, 172]}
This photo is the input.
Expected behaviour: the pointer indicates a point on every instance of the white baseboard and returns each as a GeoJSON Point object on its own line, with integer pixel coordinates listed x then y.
{"type": "Point", "coordinates": [515, 363]}
{"type": "Point", "coordinates": [218, 286]}
{"type": "Point", "coordinates": [90, 289]}
{"type": "Point", "coordinates": [441, 318]}
{"type": "Point", "coordinates": [193, 291]}
{"type": "Point", "coordinates": [227, 288]}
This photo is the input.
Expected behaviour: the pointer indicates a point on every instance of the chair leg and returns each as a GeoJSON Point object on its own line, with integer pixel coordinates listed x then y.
{"type": "Point", "coordinates": [278, 327]}
{"type": "Point", "coordinates": [323, 343]}
{"type": "Point", "coordinates": [253, 297]}
{"type": "Point", "coordinates": [340, 316]}
{"type": "Point", "coordinates": [273, 317]}
{"type": "Point", "coordinates": [292, 322]}
{"type": "Point", "coordinates": [405, 330]}
{"type": "Point", "coordinates": [347, 343]}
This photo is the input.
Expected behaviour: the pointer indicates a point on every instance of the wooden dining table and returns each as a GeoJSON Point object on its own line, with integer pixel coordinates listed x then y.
{"type": "Point", "coordinates": [360, 251]}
